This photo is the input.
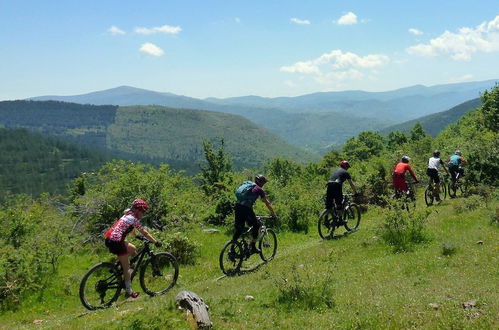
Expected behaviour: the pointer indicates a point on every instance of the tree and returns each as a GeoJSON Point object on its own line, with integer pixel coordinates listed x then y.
{"type": "Point", "coordinates": [396, 139]}
{"type": "Point", "coordinates": [418, 133]}
{"type": "Point", "coordinates": [215, 174]}
{"type": "Point", "coordinates": [490, 109]}
{"type": "Point", "coordinates": [365, 146]}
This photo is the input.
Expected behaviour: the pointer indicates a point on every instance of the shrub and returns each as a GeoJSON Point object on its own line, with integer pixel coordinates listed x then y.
{"type": "Point", "coordinates": [305, 290]}
{"type": "Point", "coordinates": [185, 250]}
{"type": "Point", "coordinates": [448, 249]}
{"type": "Point", "coordinates": [471, 203]}
{"type": "Point", "coordinates": [402, 229]}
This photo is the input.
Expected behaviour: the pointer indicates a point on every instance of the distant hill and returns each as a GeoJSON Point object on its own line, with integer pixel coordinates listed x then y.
{"type": "Point", "coordinates": [32, 163]}
{"type": "Point", "coordinates": [436, 122]}
{"type": "Point", "coordinates": [314, 121]}
{"type": "Point", "coordinates": [151, 133]}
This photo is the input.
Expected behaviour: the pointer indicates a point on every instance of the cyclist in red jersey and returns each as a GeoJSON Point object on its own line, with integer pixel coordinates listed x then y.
{"type": "Point", "coordinates": [399, 182]}
{"type": "Point", "coordinates": [115, 239]}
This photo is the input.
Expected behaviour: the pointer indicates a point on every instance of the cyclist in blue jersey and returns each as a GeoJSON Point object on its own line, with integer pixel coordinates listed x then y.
{"type": "Point", "coordinates": [453, 163]}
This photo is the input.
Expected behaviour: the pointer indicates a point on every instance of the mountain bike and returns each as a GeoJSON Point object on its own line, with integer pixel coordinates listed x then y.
{"type": "Point", "coordinates": [429, 195]}
{"type": "Point", "coordinates": [408, 198]}
{"type": "Point", "coordinates": [235, 252]}
{"type": "Point", "coordinates": [329, 220]}
{"type": "Point", "coordinates": [102, 283]}
{"type": "Point", "coordinates": [455, 187]}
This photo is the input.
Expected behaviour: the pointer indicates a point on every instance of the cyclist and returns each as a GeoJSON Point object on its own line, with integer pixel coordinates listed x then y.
{"type": "Point", "coordinates": [453, 163]}
{"type": "Point", "coordinates": [246, 195]}
{"type": "Point", "coordinates": [335, 187]}
{"type": "Point", "coordinates": [398, 177]}
{"type": "Point", "coordinates": [115, 239]}
{"type": "Point", "coordinates": [432, 171]}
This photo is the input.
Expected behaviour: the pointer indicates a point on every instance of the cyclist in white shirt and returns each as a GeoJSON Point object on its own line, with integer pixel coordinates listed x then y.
{"type": "Point", "coordinates": [432, 171]}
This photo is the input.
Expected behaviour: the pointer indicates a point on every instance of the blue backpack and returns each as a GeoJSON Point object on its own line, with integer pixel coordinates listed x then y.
{"type": "Point", "coordinates": [245, 195]}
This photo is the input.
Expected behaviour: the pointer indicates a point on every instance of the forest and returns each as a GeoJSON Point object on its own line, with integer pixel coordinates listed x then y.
{"type": "Point", "coordinates": [46, 240]}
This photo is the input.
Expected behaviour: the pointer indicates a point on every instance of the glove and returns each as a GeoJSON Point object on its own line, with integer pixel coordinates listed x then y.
{"type": "Point", "coordinates": [158, 244]}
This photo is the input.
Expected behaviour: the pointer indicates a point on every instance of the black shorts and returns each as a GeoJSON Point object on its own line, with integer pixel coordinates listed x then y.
{"type": "Point", "coordinates": [245, 215]}
{"type": "Point", "coordinates": [334, 194]}
{"type": "Point", "coordinates": [433, 174]}
{"type": "Point", "coordinates": [454, 170]}
{"type": "Point", "coordinates": [116, 247]}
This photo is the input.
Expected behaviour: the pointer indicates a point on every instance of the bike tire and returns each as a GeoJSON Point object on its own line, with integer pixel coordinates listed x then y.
{"type": "Point", "coordinates": [231, 258]}
{"type": "Point", "coordinates": [351, 217]}
{"type": "Point", "coordinates": [428, 196]}
{"type": "Point", "coordinates": [455, 189]}
{"type": "Point", "coordinates": [159, 273]}
{"type": "Point", "coordinates": [325, 224]}
{"type": "Point", "coordinates": [96, 282]}
{"type": "Point", "coordinates": [444, 191]}
{"type": "Point", "coordinates": [267, 243]}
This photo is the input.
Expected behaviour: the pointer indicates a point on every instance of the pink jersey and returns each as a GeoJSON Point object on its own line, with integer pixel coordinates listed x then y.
{"type": "Point", "coordinates": [122, 227]}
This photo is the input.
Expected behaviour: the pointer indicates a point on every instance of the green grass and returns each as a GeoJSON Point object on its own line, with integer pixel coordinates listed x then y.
{"type": "Point", "coordinates": [352, 282]}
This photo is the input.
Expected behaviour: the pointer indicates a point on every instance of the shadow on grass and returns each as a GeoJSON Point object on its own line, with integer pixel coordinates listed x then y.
{"type": "Point", "coordinates": [239, 272]}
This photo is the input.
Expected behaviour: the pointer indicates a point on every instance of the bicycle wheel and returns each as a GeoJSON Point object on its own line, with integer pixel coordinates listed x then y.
{"type": "Point", "coordinates": [101, 286]}
{"type": "Point", "coordinates": [231, 258]}
{"type": "Point", "coordinates": [428, 196]}
{"type": "Point", "coordinates": [443, 191]}
{"type": "Point", "coordinates": [159, 273]}
{"type": "Point", "coordinates": [268, 245]}
{"type": "Point", "coordinates": [325, 224]}
{"type": "Point", "coordinates": [351, 217]}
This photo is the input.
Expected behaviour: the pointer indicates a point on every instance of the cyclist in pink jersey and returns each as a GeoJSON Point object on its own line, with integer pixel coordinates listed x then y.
{"type": "Point", "coordinates": [115, 239]}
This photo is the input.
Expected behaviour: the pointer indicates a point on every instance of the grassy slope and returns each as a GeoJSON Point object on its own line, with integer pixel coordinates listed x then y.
{"type": "Point", "coordinates": [371, 287]}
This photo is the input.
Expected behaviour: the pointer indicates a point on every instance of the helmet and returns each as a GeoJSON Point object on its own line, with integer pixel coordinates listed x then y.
{"type": "Point", "coordinates": [436, 153]}
{"type": "Point", "coordinates": [344, 164]}
{"type": "Point", "coordinates": [260, 179]}
{"type": "Point", "coordinates": [406, 159]}
{"type": "Point", "coordinates": [458, 152]}
{"type": "Point", "coordinates": [140, 204]}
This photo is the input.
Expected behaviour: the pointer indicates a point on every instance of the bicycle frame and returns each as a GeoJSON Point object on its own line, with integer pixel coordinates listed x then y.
{"type": "Point", "coordinates": [136, 261]}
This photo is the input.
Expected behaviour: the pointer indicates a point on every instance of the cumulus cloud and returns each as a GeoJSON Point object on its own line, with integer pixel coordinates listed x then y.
{"type": "Point", "coordinates": [416, 32]}
{"type": "Point", "coordinates": [300, 21]}
{"type": "Point", "coordinates": [347, 19]}
{"type": "Point", "coordinates": [151, 49]}
{"type": "Point", "coordinates": [462, 44]}
{"type": "Point", "coordinates": [114, 30]}
{"type": "Point", "coordinates": [166, 29]}
{"type": "Point", "coordinates": [338, 65]}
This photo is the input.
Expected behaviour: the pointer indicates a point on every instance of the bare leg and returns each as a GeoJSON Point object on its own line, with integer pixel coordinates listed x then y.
{"type": "Point", "coordinates": [125, 264]}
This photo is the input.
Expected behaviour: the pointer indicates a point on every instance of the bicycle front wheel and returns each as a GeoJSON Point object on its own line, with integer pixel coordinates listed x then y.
{"type": "Point", "coordinates": [231, 258]}
{"type": "Point", "coordinates": [351, 217]}
{"type": "Point", "coordinates": [101, 286]}
{"type": "Point", "coordinates": [428, 196]}
{"type": "Point", "coordinates": [325, 224]}
{"type": "Point", "coordinates": [159, 274]}
{"type": "Point", "coordinates": [268, 245]}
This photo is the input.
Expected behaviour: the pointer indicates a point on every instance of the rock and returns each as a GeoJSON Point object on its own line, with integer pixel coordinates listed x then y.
{"type": "Point", "coordinates": [249, 298]}
{"type": "Point", "coordinates": [469, 304]}
{"type": "Point", "coordinates": [210, 231]}
{"type": "Point", "coordinates": [195, 307]}
{"type": "Point", "coordinates": [479, 242]}
{"type": "Point", "coordinates": [434, 306]}
{"type": "Point", "coordinates": [38, 322]}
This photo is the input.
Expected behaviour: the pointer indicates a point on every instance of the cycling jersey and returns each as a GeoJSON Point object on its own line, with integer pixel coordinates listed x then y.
{"type": "Point", "coordinates": [434, 163]}
{"type": "Point", "coordinates": [399, 176]}
{"type": "Point", "coordinates": [122, 227]}
{"type": "Point", "coordinates": [340, 175]}
{"type": "Point", "coordinates": [455, 160]}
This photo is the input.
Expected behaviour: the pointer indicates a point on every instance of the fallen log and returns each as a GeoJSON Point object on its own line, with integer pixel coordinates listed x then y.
{"type": "Point", "coordinates": [195, 305]}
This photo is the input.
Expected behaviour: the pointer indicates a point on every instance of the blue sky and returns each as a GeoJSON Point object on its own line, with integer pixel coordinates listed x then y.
{"type": "Point", "coordinates": [234, 48]}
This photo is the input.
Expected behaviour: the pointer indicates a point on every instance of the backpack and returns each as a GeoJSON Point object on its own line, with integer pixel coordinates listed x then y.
{"type": "Point", "coordinates": [244, 195]}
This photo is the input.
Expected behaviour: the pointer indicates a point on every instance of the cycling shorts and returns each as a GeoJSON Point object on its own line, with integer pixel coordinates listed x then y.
{"type": "Point", "coordinates": [433, 174]}
{"type": "Point", "coordinates": [116, 247]}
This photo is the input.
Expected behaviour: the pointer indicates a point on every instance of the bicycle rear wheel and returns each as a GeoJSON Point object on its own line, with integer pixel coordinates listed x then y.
{"type": "Point", "coordinates": [428, 196]}
{"type": "Point", "coordinates": [231, 258]}
{"type": "Point", "coordinates": [455, 189]}
{"type": "Point", "coordinates": [159, 274]}
{"type": "Point", "coordinates": [101, 286]}
{"type": "Point", "coordinates": [268, 245]}
{"type": "Point", "coordinates": [443, 191]}
{"type": "Point", "coordinates": [325, 224]}
{"type": "Point", "coordinates": [351, 217]}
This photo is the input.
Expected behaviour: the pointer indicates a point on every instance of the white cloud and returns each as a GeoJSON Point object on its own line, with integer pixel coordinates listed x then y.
{"type": "Point", "coordinates": [300, 21]}
{"type": "Point", "coordinates": [114, 30]}
{"type": "Point", "coordinates": [416, 32]}
{"type": "Point", "coordinates": [347, 19]}
{"type": "Point", "coordinates": [151, 49]}
{"type": "Point", "coordinates": [338, 65]}
{"type": "Point", "coordinates": [461, 45]}
{"type": "Point", "coordinates": [166, 29]}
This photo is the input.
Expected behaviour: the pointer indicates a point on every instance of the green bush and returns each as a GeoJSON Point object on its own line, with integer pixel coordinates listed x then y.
{"type": "Point", "coordinates": [303, 289]}
{"type": "Point", "coordinates": [470, 203]}
{"type": "Point", "coordinates": [402, 229]}
{"type": "Point", "coordinates": [448, 249]}
{"type": "Point", "coordinates": [184, 249]}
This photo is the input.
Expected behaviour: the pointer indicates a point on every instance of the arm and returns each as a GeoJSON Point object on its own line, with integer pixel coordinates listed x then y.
{"type": "Point", "coordinates": [269, 206]}
{"type": "Point", "coordinates": [352, 186]}
{"type": "Point", "coordinates": [147, 235]}
{"type": "Point", "coordinates": [411, 172]}
{"type": "Point", "coordinates": [444, 167]}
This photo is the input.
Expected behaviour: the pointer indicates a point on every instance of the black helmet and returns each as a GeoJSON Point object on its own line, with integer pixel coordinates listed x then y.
{"type": "Point", "coordinates": [436, 153]}
{"type": "Point", "coordinates": [458, 152]}
{"type": "Point", "coordinates": [260, 179]}
{"type": "Point", "coordinates": [406, 159]}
